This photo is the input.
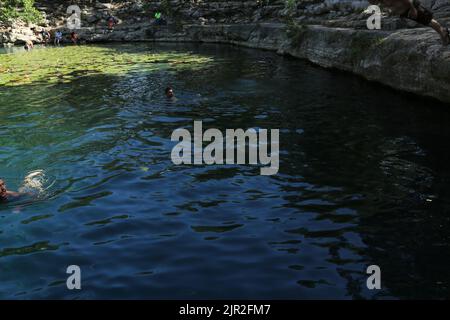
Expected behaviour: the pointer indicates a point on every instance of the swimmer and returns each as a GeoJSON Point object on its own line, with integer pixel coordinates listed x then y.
{"type": "Point", "coordinates": [28, 45]}
{"type": "Point", "coordinates": [169, 93]}
{"type": "Point", "coordinates": [6, 195]}
{"type": "Point", "coordinates": [32, 185]}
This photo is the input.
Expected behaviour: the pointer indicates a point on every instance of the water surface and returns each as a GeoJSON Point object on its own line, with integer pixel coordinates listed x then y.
{"type": "Point", "coordinates": [363, 179]}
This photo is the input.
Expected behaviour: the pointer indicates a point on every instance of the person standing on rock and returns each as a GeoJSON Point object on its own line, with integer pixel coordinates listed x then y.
{"type": "Point", "coordinates": [414, 10]}
{"type": "Point", "coordinates": [58, 38]}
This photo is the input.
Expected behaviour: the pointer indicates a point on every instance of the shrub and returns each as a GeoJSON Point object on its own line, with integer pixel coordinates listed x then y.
{"type": "Point", "coordinates": [19, 10]}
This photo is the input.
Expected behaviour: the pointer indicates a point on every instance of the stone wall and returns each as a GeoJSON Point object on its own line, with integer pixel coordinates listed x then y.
{"type": "Point", "coordinates": [332, 13]}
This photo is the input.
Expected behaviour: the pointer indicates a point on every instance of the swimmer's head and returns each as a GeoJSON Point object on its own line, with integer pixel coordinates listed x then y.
{"type": "Point", "coordinates": [169, 92]}
{"type": "Point", "coordinates": [3, 191]}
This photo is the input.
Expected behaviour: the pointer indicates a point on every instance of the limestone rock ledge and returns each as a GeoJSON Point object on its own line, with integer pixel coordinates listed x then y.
{"type": "Point", "coordinates": [411, 60]}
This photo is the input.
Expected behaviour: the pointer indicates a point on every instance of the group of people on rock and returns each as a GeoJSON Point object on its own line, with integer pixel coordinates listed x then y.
{"type": "Point", "coordinates": [45, 38]}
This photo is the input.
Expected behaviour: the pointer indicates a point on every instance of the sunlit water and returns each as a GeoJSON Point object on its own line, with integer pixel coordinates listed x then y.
{"type": "Point", "coordinates": [364, 175]}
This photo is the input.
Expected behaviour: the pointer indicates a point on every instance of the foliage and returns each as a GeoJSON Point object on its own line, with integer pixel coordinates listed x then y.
{"type": "Point", "coordinates": [19, 10]}
{"type": "Point", "coordinates": [295, 31]}
{"type": "Point", "coordinates": [290, 6]}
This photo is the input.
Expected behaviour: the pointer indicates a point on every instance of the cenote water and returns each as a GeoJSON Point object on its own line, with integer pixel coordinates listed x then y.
{"type": "Point", "coordinates": [363, 179]}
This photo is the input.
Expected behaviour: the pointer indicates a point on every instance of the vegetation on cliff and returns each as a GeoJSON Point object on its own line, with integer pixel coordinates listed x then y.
{"type": "Point", "coordinates": [19, 10]}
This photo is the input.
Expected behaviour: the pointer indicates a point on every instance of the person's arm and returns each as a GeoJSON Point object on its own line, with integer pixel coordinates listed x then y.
{"type": "Point", "coordinates": [13, 194]}
{"type": "Point", "coordinates": [18, 194]}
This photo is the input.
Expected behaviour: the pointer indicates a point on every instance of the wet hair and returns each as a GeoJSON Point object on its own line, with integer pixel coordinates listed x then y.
{"type": "Point", "coordinates": [3, 197]}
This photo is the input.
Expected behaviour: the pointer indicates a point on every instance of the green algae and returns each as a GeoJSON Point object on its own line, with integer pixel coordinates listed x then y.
{"type": "Point", "coordinates": [54, 65]}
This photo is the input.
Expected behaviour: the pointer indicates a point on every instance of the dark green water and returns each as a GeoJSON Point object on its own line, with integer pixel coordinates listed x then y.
{"type": "Point", "coordinates": [364, 175]}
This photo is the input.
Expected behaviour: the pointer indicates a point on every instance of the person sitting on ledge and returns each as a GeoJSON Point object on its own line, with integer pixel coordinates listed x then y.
{"type": "Point", "coordinates": [159, 20]}
{"type": "Point", "coordinates": [414, 10]}
{"type": "Point", "coordinates": [45, 36]}
{"type": "Point", "coordinates": [112, 21]}
{"type": "Point", "coordinates": [58, 37]}
{"type": "Point", "coordinates": [74, 37]}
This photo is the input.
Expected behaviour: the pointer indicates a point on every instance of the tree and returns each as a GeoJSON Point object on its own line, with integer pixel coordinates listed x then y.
{"type": "Point", "coordinates": [19, 10]}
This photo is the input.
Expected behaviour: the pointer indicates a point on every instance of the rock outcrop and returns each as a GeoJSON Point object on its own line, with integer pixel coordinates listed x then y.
{"type": "Point", "coordinates": [330, 33]}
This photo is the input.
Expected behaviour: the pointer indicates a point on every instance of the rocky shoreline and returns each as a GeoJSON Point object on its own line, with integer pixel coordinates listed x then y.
{"type": "Point", "coordinates": [405, 58]}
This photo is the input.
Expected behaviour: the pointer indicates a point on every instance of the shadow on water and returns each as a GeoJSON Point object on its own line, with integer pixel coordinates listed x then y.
{"type": "Point", "coordinates": [362, 180]}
